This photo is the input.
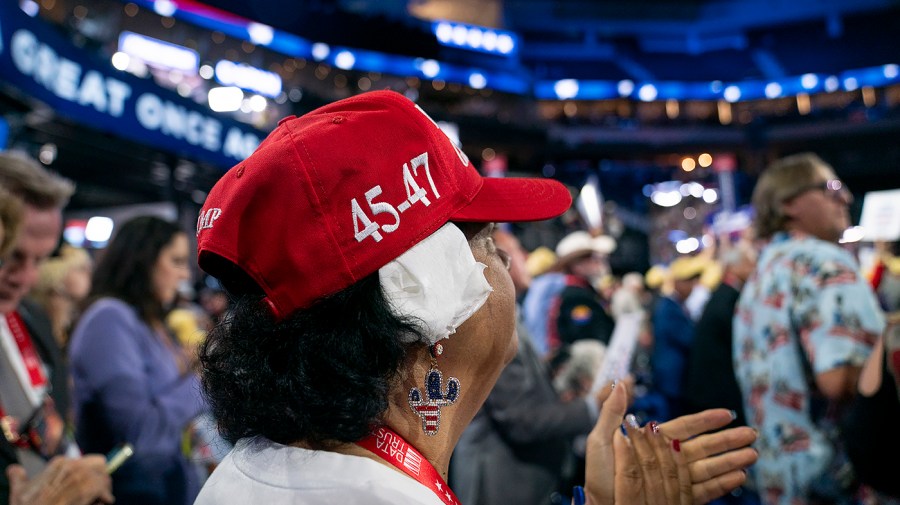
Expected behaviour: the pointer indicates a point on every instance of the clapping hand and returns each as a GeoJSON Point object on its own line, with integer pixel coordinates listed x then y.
{"type": "Point", "coordinates": [676, 462]}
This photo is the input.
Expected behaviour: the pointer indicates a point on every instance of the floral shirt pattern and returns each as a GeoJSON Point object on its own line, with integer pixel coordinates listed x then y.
{"type": "Point", "coordinates": [813, 290]}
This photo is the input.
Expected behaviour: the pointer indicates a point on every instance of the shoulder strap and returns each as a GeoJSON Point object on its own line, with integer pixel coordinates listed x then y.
{"type": "Point", "coordinates": [817, 402]}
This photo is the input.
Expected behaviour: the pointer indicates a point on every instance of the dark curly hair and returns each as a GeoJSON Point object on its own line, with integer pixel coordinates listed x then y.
{"type": "Point", "coordinates": [321, 376]}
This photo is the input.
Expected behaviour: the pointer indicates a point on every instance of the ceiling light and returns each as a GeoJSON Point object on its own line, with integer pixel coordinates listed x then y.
{"type": "Point", "coordinates": [809, 81]}
{"type": "Point", "coordinates": [430, 68]}
{"type": "Point", "coordinates": [477, 80]}
{"type": "Point", "coordinates": [732, 93]}
{"type": "Point", "coordinates": [320, 51]}
{"type": "Point", "coordinates": [647, 93]}
{"type": "Point", "coordinates": [98, 229]}
{"type": "Point", "coordinates": [120, 60]}
{"type": "Point", "coordinates": [566, 89]}
{"type": "Point", "coordinates": [344, 60]}
{"type": "Point", "coordinates": [225, 99]}
{"type": "Point", "coordinates": [260, 34]}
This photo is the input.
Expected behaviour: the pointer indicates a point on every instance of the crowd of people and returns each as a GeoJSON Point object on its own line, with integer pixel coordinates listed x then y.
{"type": "Point", "coordinates": [395, 343]}
{"type": "Point", "coordinates": [89, 361]}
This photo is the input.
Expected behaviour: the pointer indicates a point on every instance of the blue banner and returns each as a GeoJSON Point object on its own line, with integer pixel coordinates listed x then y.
{"type": "Point", "coordinates": [41, 63]}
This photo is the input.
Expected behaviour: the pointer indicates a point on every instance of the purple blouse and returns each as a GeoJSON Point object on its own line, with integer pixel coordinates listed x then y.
{"type": "Point", "coordinates": [127, 387]}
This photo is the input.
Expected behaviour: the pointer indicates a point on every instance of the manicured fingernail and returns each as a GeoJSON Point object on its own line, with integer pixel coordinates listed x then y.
{"type": "Point", "coordinates": [578, 495]}
{"type": "Point", "coordinates": [654, 427]}
{"type": "Point", "coordinates": [614, 384]}
{"type": "Point", "coordinates": [632, 421]}
{"type": "Point", "coordinates": [733, 414]}
{"type": "Point", "coordinates": [624, 431]}
{"type": "Point", "coordinates": [676, 445]}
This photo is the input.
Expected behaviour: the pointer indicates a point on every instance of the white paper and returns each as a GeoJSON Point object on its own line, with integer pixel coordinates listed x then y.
{"type": "Point", "coordinates": [619, 352]}
{"type": "Point", "coordinates": [881, 215]}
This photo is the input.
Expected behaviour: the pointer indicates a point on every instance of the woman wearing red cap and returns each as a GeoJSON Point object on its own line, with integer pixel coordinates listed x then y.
{"type": "Point", "coordinates": [373, 314]}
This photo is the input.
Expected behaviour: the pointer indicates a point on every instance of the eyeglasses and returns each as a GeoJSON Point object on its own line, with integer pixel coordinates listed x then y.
{"type": "Point", "coordinates": [833, 188]}
{"type": "Point", "coordinates": [505, 257]}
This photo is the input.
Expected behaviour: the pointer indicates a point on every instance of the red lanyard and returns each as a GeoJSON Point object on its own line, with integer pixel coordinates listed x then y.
{"type": "Point", "coordinates": [26, 349]}
{"type": "Point", "coordinates": [32, 362]}
{"type": "Point", "coordinates": [389, 446]}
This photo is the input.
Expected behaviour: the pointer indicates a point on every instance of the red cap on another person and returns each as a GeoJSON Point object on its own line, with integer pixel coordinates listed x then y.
{"type": "Point", "coordinates": [332, 196]}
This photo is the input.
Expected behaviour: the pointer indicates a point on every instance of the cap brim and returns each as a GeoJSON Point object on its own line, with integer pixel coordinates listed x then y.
{"type": "Point", "coordinates": [516, 199]}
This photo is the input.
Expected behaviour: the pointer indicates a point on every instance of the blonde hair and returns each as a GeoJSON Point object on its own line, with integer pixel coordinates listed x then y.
{"type": "Point", "coordinates": [34, 184]}
{"type": "Point", "coordinates": [52, 282]}
{"type": "Point", "coordinates": [10, 219]}
{"type": "Point", "coordinates": [52, 273]}
{"type": "Point", "coordinates": [780, 182]}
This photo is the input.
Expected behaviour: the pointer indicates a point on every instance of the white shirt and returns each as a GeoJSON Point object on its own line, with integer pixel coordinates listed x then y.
{"type": "Point", "coordinates": [260, 471]}
{"type": "Point", "coordinates": [696, 301]}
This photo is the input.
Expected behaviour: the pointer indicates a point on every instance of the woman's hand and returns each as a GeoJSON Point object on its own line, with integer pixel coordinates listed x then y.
{"type": "Point", "coordinates": [603, 393]}
{"type": "Point", "coordinates": [664, 464]}
{"type": "Point", "coordinates": [654, 470]}
{"type": "Point", "coordinates": [716, 460]}
{"type": "Point", "coordinates": [645, 468]}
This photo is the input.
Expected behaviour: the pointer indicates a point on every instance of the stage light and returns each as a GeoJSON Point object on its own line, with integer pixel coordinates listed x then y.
{"type": "Point", "coordinates": [477, 80]}
{"type": "Point", "coordinates": [732, 93]}
{"type": "Point", "coordinates": [566, 89]}
{"type": "Point", "coordinates": [225, 99]}
{"type": "Point", "coordinates": [344, 60]}
{"type": "Point", "coordinates": [647, 93]}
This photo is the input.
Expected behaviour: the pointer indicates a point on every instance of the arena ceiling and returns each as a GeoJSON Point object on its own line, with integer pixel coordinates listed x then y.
{"type": "Point", "coordinates": [729, 40]}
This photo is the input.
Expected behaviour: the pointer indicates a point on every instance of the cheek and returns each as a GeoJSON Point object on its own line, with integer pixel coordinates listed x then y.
{"type": "Point", "coordinates": [512, 348]}
{"type": "Point", "coordinates": [173, 278]}
{"type": "Point", "coordinates": [503, 313]}
{"type": "Point", "coordinates": [159, 284]}
{"type": "Point", "coordinates": [164, 282]}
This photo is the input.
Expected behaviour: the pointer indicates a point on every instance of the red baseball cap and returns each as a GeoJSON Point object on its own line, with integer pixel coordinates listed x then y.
{"type": "Point", "coordinates": [330, 197]}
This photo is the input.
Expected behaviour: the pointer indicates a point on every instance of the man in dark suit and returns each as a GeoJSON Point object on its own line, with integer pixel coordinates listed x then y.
{"type": "Point", "coordinates": [710, 381]}
{"type": "Point", "coordinates": [34, 393]}
{"type": "Point", "coordinates": [517, 448]}
{"type": "Point", "coordinates": [673, 334]}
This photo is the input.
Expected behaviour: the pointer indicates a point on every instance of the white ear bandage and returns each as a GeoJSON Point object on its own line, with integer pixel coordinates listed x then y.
{"type": "Point", "coordinates": [437, 282]}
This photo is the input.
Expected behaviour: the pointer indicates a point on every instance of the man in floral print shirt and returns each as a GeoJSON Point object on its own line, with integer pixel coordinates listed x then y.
{"type": "Point", "coordinates": [804, 325]}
